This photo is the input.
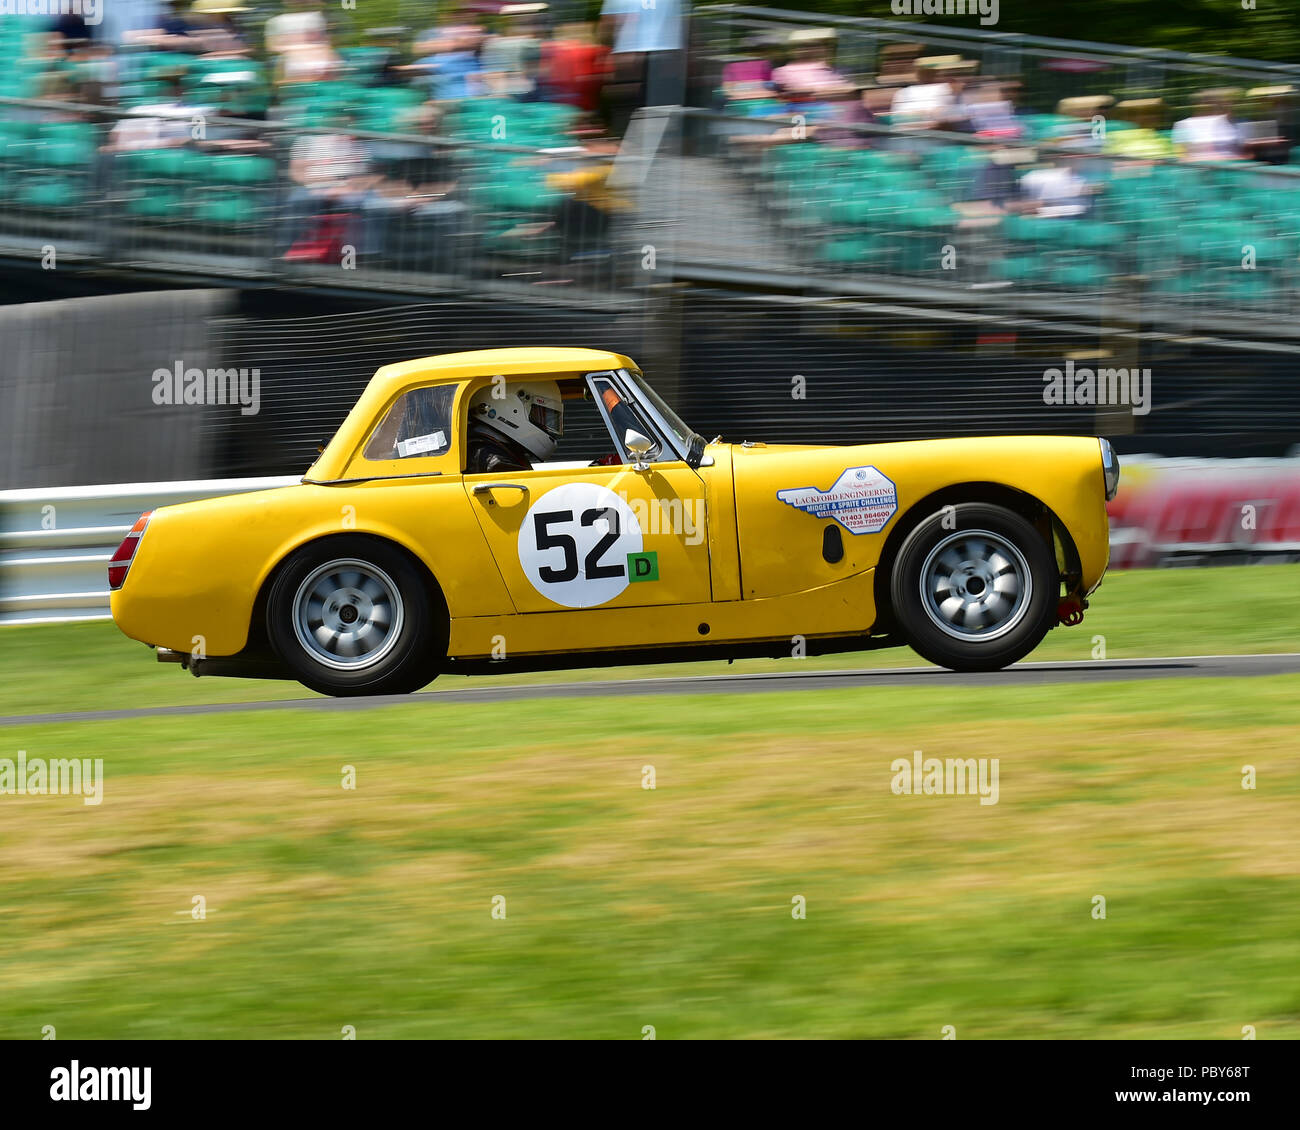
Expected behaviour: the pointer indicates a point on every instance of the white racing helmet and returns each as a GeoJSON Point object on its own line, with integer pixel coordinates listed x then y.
{"type": "Point", "coordinates": [531, 413]}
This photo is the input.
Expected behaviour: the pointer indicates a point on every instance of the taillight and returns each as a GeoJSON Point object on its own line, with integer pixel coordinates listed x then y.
{"type": "Point", "coordinates": [117, 568]}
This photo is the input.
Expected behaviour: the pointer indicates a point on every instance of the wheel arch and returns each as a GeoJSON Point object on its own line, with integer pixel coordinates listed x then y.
{"type": "Point", "coordinates": [1032, 509]}
{"type": "Point", "coordinates": [259, 642]}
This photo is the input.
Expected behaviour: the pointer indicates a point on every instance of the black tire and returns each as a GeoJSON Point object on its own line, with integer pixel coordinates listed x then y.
{"type": "Point", "coordinates": [1000, 579]}
{"type": "Point", "coordinates": [354, 616]}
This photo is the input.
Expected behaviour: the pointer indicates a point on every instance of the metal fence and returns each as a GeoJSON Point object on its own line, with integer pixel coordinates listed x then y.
{"type": "Point", "coordinates": [509, 201]}
{"type": "Point", "coordinates": [55, 543]}
{"type": "Point", "coordinates": [934, 218]}
{"type": "Point", "coordinates": [784, 202]}
{"type": "Point", "coordinates": [883, 51]}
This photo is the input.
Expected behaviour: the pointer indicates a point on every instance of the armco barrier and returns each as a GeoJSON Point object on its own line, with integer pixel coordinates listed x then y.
{"type": "Point", "coordinates": [55, 544]}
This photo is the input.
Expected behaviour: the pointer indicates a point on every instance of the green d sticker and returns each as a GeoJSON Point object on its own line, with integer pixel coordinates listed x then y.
{"type": "Point", "coordinates": [642, 567]}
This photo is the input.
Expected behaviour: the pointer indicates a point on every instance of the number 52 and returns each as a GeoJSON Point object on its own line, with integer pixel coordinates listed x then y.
{"type": "Point", "coordinates": [592, 568]}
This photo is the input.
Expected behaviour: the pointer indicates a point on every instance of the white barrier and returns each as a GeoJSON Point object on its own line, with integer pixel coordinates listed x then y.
{"type": "Point", "coordinates": [55, 544]}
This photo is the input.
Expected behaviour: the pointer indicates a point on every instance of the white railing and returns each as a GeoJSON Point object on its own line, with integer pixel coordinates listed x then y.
{"type": "Point", "coordinates": [55, 543]}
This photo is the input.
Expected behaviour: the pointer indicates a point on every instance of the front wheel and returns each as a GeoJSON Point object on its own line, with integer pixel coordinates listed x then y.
{"type": "Point", "coordinates": [974, 588]}
{"type": "Point", "coordinates": [352, 616]}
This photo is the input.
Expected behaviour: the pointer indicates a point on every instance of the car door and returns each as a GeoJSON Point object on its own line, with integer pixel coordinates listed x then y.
{"type": "Point", "coordinates": [586, 537]}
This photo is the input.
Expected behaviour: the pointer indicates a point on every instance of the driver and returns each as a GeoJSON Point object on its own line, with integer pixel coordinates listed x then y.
{"type": "Point", "coordinates": [508, 433]}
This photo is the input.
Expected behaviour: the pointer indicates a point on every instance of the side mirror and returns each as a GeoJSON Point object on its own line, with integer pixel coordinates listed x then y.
{"type": "Point", "coordinates": [640, 446]}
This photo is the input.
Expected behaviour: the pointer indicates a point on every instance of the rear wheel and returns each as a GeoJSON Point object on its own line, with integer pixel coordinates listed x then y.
{"type": "Point", "coordinates": [352, 616]}
{"type": "Point", "coordinates": [975, 587]}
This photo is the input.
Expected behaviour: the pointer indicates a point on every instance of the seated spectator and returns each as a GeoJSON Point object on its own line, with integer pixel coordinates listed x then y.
{"type": "Point", "coordinates": [574, 67]}
{"type": "Point", "coordinates": [508, 62]}
{"type": "Point", "coordinates": [447, 59]}
{"type": "Point", "coordinates": [299, 40]}
{"type": "Point", "coordinates": [1085, 131]}
{"type": "Point", "coordinates": [214, 25]}
{"type": "Point", "coordinates": [897, 63]}
{"type": "Point", "coordinates": [1055, 189]}
{"type": "Point", "coordinates": [1274, 128]}
{"type": "Point", "coordinates": [331, 176]}
{"type": "Point", "coordinates": [171, 30]}
{"type": "Point", "coordinates": [927, 103]}
{"type": "Point", "coordinates": [996, 189]}
{"type": "Point", "coordinates": [160, 125]}
{"type": "Point", "coordinates": [1210, 134]}
{"type": "Point", "coordinates": [227, 94]}
{"type": "Point", "coordinates": [749, 76]}
{"type": "Point", "coordinates": [1144, 141]}
{"type": "Point", "coordinates": [809, 76]}
{"type": "Point", "coordinates": [311, 60]}
{"type": "Point", "coordinates": [291, 27]}
{"type": "Point", "coordinates": [990, 111]}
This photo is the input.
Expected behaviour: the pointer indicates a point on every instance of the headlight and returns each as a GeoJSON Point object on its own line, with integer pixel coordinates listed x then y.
{"type": "Point", "coordinates": [1109, 469]}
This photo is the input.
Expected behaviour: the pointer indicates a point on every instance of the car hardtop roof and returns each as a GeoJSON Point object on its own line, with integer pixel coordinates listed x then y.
{"type": "Point", "coordinates": [392, 381]}
{"type": "Point", "coordinates": [513, 362]}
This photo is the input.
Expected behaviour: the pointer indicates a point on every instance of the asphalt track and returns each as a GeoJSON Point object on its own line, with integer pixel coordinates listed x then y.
{"type": "Point", "coordinates": [1022, 674]}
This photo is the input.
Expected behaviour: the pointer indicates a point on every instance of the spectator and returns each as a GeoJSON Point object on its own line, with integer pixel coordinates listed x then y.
{"type": "Point", "coordinates": [574, 67]}
{"type": "Point", "coordinates": [1144, 141]}
{"type": "Point", "coordinates": [214, 25]}
{"type": "Point", "coordinates": [299, 40]}
{"type": "Point", "coordinates": [996, 189]}
{"type": "Point", "coordinates": [590, 202]}
{"type": "Point", "coordinates": [989, 109]}
{"type": "Point", "coordinates": [750, 76]}
{"type": "Point", "coordinates": [1085, 131]}
{"type": "Point", "coordinates": [648, 55]}
{"type": "Point", "coordinates": [124, 17]}
{"type": "Point", "coordinates": [927, 103]}
{"type": "Point", "coordinates": [808, 75]}
{"type": "Point", "coordinates": [1056, 190]}
{"type": "Point", "coordinates": [331, 176]}
{"type": "Point", "coordinates": [448, 60]}
{"type": "Point", "coordinates": [159, 125]}
{"type": "Point", "coordinates": [1272, 132]}
{"type": "Point", "coordinates": [1210, 134]}
{"type": "Point", "coordinates": [508, 62]}
{"type": "Point", "coordinates": [169, 30]}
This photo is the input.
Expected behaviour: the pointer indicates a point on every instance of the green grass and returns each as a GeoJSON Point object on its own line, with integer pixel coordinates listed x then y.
{"type": "Point", "coordinates": [628, 907]}
{"type": "Point", "coordinates": [1142, 613]}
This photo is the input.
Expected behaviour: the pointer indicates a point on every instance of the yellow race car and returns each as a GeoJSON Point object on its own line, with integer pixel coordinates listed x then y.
{"type": "Point", "coordinates": [530, 508]}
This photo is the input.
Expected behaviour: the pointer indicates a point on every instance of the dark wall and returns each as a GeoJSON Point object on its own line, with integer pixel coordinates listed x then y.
{"type": "Point", "coordinates": [76, 383]}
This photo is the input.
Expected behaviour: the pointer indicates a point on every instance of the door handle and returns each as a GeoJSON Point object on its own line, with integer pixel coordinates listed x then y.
{"type": "Point", "coordinates": [483, 488]}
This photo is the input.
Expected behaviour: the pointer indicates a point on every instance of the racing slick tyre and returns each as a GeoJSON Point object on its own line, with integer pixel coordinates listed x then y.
{"type": "Point", "coordinates": [353, 616]}
{"type": "Point", "coordinates": [975, 587]}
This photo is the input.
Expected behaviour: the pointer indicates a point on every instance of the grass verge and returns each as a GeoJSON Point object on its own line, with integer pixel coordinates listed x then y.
{"type": "Point", "coordinates": [669, 907]}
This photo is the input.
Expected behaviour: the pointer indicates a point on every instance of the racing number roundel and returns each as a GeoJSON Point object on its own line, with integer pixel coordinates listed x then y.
{"type": "Point", "coordinates": [574, 544]}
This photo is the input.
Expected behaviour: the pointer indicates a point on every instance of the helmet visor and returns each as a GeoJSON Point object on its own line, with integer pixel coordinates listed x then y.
{"type": "Point", "coordinates": [549, 419]}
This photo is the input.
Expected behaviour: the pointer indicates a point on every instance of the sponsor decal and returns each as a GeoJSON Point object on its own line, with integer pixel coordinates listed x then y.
{"type": "Point", "coordinates": [861, 500]}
